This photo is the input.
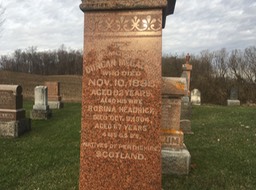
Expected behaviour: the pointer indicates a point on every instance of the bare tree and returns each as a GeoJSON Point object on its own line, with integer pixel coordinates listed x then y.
{"type": "Point", "coordinates": [220, 63]}
{"type": "Point", "coordinates": [250, 61]}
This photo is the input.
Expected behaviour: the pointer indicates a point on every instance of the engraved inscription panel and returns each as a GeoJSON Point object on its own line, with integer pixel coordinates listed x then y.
{"type": "Point", "coordinates": [121, 106]}
{"type": "Point", "coordinates": [6, 98]}
{"type": "Point", "coordinates": [11, 115]}
{"type": "Point", "coordinates": [172, 138]}
{"type": "Point", "coordinates": [10, 101]}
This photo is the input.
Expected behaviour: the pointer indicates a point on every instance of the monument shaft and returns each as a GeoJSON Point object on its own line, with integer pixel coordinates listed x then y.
{"type": "Point", "coordinates": [121, 101]}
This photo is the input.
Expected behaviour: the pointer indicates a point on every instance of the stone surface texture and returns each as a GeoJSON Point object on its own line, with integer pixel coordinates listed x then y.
{"type": "Point", "coordinates": [13, 122]}
{"type": "Point", "coordinates": [170, 113]}
{"type": "Point", "coordinates": [41, 98]}
{"type": "Point", "coordinates": [55, 104]}
{"type": "Point", "coordinates": [185, 126]}
{"type": "Point", "coordinates": [172, 139]}
{"type": "Point", "coordinates": [174, 86]}
{"type": "Point", "coordinates": [175, 156]}
{"type": "Point", "coordinates": [54, 98]}
{"type": "Point", "coordinates": [186, 108]}
{"type": "Point", "coordinates": [167, 6]}
{"type": "Point", "coordinates": [185, 101]}
{"type": "Point", "coordinates": [41, 108]}
{"type": "Point", "coordinates": [121, 101]}
{"type": "Point", "coordinates": [233, 102]}
{"type": "Point", "coordinates": [14, 128]}
{"type": "Point", "coordinates": [176, 161]}
{"type": "Point", "coordinates": [40, 114]}
{"type": "Point", "coordinates": [53, 90]}
{"type": "Point", "coordinates": [195, 97]}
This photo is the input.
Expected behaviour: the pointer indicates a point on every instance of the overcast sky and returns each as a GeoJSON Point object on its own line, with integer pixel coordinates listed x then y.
{"type": "Point", "coordinates": [196, 25]}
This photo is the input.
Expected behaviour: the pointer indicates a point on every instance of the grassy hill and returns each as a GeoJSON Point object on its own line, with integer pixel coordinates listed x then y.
{"type": "Point", "coordinates": [70, 85]}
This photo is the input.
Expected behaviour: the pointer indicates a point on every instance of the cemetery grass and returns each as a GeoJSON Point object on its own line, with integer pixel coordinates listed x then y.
{"type": "Point", "coordinates": [47, 157]}
{"type": "Point", "coordinates": [222, 149]}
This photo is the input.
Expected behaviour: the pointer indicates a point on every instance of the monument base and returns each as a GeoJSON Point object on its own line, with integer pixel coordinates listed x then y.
{"type": "Point", "coordinates": [14, 128]}
{"type": "Point", "coordinates": [233, 102]}
{"type": "Point", "coordinates": [175, 161]}
{"type": "Point", "coordinates": [55, 104]}
{"type": "Point", "coordinates": [185, 126]}
{"type": "Point", "coordinates": [40, 114]}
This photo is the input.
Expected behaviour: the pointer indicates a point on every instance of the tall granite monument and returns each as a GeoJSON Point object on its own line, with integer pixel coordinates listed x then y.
{"type": "Point", "coordinates": [121, 96]}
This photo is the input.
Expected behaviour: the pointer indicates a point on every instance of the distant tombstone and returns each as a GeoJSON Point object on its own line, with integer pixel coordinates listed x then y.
{"type": "Point", "coordinates": [234, 93]}
{"type": "Point", "coordinates": [195, 97]}
{"type": "Point", "coordinates": [175, 156]}
{"type": "Point", "coordinates": [185, 116]}
{"type": "Point", "coordinates": [54, 98]}
{"type": "Point", "coordinates": [233, 101]}
{"type": "Point", "coordinates": [121, 101]}
{"type": "Point", "coordinates": [41, 108]}
{"type": "Point", "coordinates": [13, 120]}
{"type": "Point", "coordinates": [186, 72]}
{"type": "Point", "coordinates": [185, 123]}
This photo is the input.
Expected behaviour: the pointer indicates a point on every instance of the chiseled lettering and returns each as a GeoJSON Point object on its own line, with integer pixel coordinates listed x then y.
{"type": "Point", "coordinates": [100, 108]}
{"type": "Point", "coordinates": [120, 155]}
{"type": "Point", "coordinates": [138, 93]}
{"type": "Point", "coordinates": [100, 65]}
{"type": "Point", "coordinates": [99, 82]}
{"type": "Point", "coordinates": [135, 127]}
{"type": "Point", "coordinates": [106, 92]}
{"type": "Point", "coordinates": [101, 117]}
{"type": "Point", "coordinates": [113, 100]}
{"type": "Point", "coordinates": [171, 140]}
{"type": "Point", "coordinates": [136, 110]}
{"type": "Point", "coordinates": [7, 115]}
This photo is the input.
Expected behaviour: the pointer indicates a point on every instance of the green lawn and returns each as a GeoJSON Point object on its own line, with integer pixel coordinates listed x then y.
{"type": "Point", "coordinates": [223, 150]}
{"type": "Point", "coordinates": [45, 158]}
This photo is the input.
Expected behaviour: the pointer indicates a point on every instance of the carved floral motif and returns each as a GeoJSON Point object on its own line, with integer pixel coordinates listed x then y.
{"type": "Point", "coordinates": [150, 23]}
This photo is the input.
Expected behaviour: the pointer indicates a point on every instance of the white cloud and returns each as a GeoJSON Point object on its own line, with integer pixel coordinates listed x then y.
{"type": "Point", "coordinates": [195, 25]}
{"type": "Point", "coordinates": [198, 25]}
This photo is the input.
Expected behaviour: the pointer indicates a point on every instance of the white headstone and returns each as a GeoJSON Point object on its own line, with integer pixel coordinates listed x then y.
{"type": "Point", "coordinates": [41, 98]}
{"type": "Point", "coordinates": [195, 97]}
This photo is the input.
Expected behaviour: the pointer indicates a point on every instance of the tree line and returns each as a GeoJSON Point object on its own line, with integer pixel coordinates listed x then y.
{"type": "Point", "coordinates": [214, 73]}
{"type": "Point", "coordinates": [57, 62]}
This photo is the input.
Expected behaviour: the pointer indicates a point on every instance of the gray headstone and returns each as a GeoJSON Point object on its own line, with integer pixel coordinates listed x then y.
{"type": "Point", "coordinates": [234, 93]}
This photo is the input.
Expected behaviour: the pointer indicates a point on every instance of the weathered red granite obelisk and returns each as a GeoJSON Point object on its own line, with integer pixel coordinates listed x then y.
{"type": "Point", "coordinates": [121, 101]}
